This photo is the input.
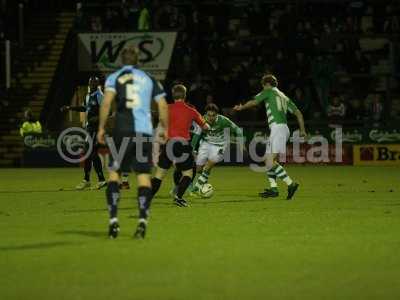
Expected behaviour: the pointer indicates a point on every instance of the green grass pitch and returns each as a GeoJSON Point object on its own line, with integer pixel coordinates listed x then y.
{"type": "Point", "coordinates": [338, 239]}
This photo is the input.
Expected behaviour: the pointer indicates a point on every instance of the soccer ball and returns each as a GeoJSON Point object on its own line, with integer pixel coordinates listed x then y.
{"type": "Point", "coordinates": [207, 190]}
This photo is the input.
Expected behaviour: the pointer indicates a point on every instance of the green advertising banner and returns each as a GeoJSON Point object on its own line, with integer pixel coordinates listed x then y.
{"type": "Point", "coordinates": [349, 135]}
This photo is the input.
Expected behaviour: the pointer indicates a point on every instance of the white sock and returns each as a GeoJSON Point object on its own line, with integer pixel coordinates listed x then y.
{"type": "Point", "coordinates": [288, 180]}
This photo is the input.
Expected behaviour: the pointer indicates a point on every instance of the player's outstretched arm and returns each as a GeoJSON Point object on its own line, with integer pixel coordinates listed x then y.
{"type": "Point", "coordinates": [235, 129]}
{"type": "Point", "coordinates": [247, 105]}
{"type": "Point", "coordinates": [163, 115]}
{"type": "Point", "coordinates": [73, 108]}
{"type": "Point", "coordinates": [300, 121]}
{"type": "Point", "coordinates": [239, 135]}
{"type": "Point", "coordinates": [199, 120]}
{"type": "Point", "coordinates": [104, 113]}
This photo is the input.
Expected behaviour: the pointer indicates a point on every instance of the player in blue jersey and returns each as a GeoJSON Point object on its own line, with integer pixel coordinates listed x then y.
{"type": "Point", "coordinates": [91, 107]}
{"type": "Point", "coordinates": [133, 90]}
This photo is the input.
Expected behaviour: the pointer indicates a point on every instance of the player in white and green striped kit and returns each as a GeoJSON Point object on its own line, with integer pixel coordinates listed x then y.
{"type": "Point", "coordinates": [213, 143]}
{"type": "Point", "coordinates": [277, 105]}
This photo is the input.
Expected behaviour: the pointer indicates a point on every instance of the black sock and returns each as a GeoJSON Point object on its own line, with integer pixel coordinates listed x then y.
{"type": "Point", "coordinates": [98, 167]}
{"type": "Point", "coordinates": [177, 177]}
{"type": "Point", "coordinates": [183, 185]}
{"type": "Point", "coordinates": [194, 172]}
{"type": "Point", "coordinates": [112, 194]}
{"type": "Point", "coordinates": [87, 168]}
{"type": "Point", "coordinates": [155, 185]}
{"type": "Point", "coordinates": [144, 201]}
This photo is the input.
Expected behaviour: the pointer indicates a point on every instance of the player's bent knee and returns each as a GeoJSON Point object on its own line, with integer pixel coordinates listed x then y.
{"type": "Point", "coordinates": [160, 173]}
{"type": "Point", "coordinates": [199, 168]}
{"type": "Point", "coordinates": [270, 162]}
{"type": "Point", "coordinates": [113, 176]}
{"type": "Point", "coordinates": [144, 180]}
{"type": "Point", "coordinates": [210, 164]}
{"type": "Point", "coordinates": [188, 173]}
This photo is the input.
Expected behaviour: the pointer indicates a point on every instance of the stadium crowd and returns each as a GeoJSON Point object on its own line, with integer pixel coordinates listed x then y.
{"type": "Point", "coordinates": [315, 49]}
{"type": "Point", "coordinates": [318, 58]}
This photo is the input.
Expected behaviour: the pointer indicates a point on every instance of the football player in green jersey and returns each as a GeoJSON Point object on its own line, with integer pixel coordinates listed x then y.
{"type": "Point", "coordinates": [212, 143]}
{"type": "Point", "coordinates": [277, 105]}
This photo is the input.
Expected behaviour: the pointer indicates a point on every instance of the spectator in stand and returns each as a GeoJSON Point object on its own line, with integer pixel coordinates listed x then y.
{"type": "Point", "coordinates": [335, 26]}
{"type": "Point", "coordinates": [210, 99]}
{"type": "Point", "coordinates": [316, 47]}
{"type": "Point", "coordinates": [133, 11]}
{"type": "Point", "coordinates": [193, 21]}
{"type": "Point", "coordinates": [3, 100]}
{"type": "Point", "coordinates": [336, 112]}
{"type": "Point", "coordinates": [366, 109]}
{"type": "Point", "coordinates": [322, 71]}
{"type": "Point", "coordinates": [156, 14]}
{"type": "Point", "coordinates": [80, 21]}
{"type": "Point", "coordinates": [175, 20]}
{"type": "Point", "coordinates": [30, 126]}
{"type": "Point", "coordinates": [392, 20]}
{"type": "Point", "coordinates": [359, 64]}
{"type": "Point", "coordinates": [257, 66]}
{"type": "Point", "coordinates": [280, 66]}
{"type": "Point", "coordinates": [355, 112]}
{"type": "Point", "coordinates": [356, 8]}
{"type": "Point", "coordinates": [226, 92]}
{"type": "Point", "coordinates": [395, 111]}
{"type": "Point", "coordinates": [144, 18]}
{"type": "Point", "coordinates": [275, 43]}
{"type": "Point", "coordinates": [301, 65]}
{"type": "Point", "coordinates": [287, 21]}
{"type": "Point", "coordinates": [95, 24]}
{"type": "Point", "coordinates": [376, 109]}
{"type": "Point", "coordinates": [302, 100]}
{"type": "Point", "coordinates": [112, 21]}
{"type": "Point", "coordinates": [349, 26]}
{"type": "Point", "coordinates": [341, 57]}
{"type": "Point", "coordinates": [198, 92]}
{"type": "Point", "coordinates": [256, 19]}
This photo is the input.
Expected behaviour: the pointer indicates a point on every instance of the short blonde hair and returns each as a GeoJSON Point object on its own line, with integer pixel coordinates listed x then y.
{"type": "Point", "coordinates": [179, 92]}
{"type": "Point", "coordinates": [269, 78]}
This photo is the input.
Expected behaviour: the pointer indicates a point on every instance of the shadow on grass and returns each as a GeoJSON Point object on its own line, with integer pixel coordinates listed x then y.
{"type": "Point", "coordinates": [134, 208]}
{"type": "Point", "coordinates": [35, 246]}
{"type": "Point", "coordinates": [194, 202]}
{"type": "Point", "coordinates": [86, 233]}
{"type": "Point", "coordinates": [39, 191]}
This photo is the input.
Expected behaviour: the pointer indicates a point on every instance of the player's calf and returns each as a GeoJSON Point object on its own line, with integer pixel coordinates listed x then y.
{"type": "Point", "coordinates": [292, 188]}
{"type": "Point", "coordinates": [112, 195]}
{"type": "Point", "coordinates": [140, 232]}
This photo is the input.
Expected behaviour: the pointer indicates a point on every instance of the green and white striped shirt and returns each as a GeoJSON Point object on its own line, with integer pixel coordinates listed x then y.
{"type": "Point", "coordinates": [277, 104]}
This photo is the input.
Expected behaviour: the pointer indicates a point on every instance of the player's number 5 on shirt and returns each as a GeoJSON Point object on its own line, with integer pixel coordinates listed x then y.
{"type": "Point", "coordinates": [132, 97]}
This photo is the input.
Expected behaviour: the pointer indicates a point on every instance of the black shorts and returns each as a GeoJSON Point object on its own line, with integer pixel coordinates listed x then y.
{"type": "Point", "coordinates": [176, 152]}
{"type": "Point", "coordinates": [137, 156]}
{"type": "Point", "coordinates": [92, 136]}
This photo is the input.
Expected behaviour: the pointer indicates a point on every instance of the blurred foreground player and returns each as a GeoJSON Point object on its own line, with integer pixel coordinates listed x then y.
{"type": "Point", "coordinates": [92, 106]}
{"type": "Point", "coordinates": [133, 90]}
{"type": "Point", "coordinates": [178, 150]}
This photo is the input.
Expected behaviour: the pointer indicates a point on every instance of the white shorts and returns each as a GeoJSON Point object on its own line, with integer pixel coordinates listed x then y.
{"type": "Point", "coordinates": [210, 152]}
{"type": "Point", "coordinates": [277, 140]}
